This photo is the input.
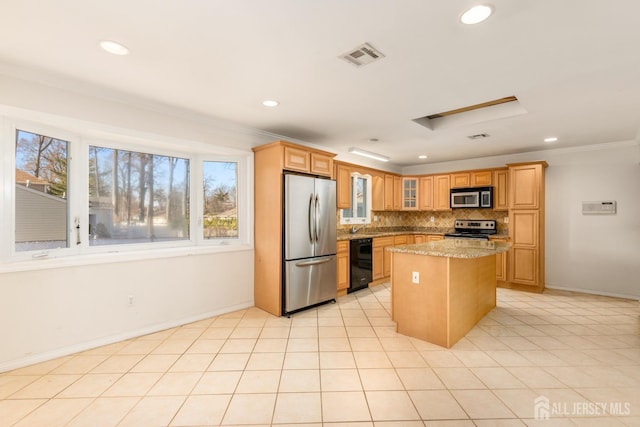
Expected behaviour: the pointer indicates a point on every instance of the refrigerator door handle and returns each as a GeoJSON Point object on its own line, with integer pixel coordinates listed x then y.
{"type": "Point", "coordinates": [317, 222]}
{"type": "Point", "coordinates": [311, 221]}
{"type": "Point", "coordinates": [314, 262]}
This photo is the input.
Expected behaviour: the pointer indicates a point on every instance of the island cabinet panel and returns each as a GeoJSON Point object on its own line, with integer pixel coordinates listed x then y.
{"type": "Point", "coordinates": [500, 190]}
{"type": "Point", "coordinates": [452, 295]}
{"type": "Point", "coordinates": [343, 187]}
{"type": "Point", "coordinates": [342, 255]}
{"type": "Point", "coordinates": [425, 188]}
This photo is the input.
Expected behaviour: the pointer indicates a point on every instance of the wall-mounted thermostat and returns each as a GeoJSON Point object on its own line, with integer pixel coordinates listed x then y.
{"type": "Point", "coordinates": [599, 208]}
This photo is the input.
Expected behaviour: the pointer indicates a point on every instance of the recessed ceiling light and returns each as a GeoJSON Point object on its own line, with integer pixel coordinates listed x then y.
{"type": "Point", "coordinates": [476, 14]}
{"type": "Point", "coordinates": [114, 48]}
{"type": "Point", "coordinates": [551, 139]}
{"type": "Point", "coordinates": [422, 156]}
{"type": "Point", "coordinates": [270, 103]}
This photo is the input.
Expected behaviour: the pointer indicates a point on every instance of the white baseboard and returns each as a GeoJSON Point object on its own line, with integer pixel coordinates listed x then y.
{"type": "Point", "coordinates": [591, 292]}
{"type": "Point", "coordinates": [76, 348]}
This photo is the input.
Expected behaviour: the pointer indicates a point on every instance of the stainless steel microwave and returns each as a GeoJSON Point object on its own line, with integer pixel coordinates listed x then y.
{"type": "Point", "coordinates": [476, 197]}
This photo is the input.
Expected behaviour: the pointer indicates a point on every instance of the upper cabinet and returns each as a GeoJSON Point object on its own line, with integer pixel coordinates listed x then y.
{"type": "Point", "coordinates": [461, 179]}
{"type": "Point", "coordinates": [343, 185]}
{"type": "Point", "coordinates": [501, 189]}
{"type": "Point", "coordinates": [526, 185]}
{"type": "Point", "coordinates": [377, 193]}
{"type": "Point", "coordinates": [410, 194]}
{"type": "Point", "coordinates": [441, 193]}
{"type": "Point", "coordinates": [301, 159]}
{"type": "Point", "coordinates": [482, 178]}
{"type": "Point", "coordinates": [426, 193]}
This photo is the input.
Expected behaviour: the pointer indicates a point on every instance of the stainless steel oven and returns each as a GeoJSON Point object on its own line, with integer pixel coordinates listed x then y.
{"type": "Point", "coordinates": [479, 229]}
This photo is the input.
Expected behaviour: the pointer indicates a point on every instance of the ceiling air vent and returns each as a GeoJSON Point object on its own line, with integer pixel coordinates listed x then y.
{"type": "Point", "coordinates": [478, 136]}
{"type": "Point", "coordinates": [362, 55]}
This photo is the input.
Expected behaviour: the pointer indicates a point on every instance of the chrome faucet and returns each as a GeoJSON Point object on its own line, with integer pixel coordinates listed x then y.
{"type": "Point", "coordinates": [355, 229]}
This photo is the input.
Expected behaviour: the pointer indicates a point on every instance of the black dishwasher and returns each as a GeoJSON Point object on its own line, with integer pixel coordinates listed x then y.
{"type": "Point", "coordinates": [361, 258]}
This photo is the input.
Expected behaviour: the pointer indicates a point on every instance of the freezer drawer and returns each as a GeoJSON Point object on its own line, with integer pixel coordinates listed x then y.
{"type": "Point", "coordinates": [308, 282]}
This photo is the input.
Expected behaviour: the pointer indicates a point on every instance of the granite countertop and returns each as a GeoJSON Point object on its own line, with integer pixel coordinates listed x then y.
{"type": "Point", "coordinates": [454, 248]}
{"type": "Point", "coordinates": [399, 231]}
{"type": "Point", "coordinates": [391, 231]}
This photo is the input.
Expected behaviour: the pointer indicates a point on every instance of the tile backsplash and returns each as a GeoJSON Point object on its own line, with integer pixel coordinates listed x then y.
{"type": "Point", "coordinates": [441, 219]}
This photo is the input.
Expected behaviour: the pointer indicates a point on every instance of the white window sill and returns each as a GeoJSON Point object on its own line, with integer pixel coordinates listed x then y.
{"type": "Point", "coordinates": [114, 257]}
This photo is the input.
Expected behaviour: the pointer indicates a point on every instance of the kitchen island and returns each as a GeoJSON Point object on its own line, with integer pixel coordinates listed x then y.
{"type": "Point", "coordinates": [456, 287]}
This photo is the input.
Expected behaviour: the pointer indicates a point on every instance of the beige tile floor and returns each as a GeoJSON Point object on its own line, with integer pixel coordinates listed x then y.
{"type": "Point", "coordinates": [344, 365]}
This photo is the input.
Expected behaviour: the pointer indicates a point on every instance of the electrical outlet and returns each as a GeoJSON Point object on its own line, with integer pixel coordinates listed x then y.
{"type": "Point", "coordinates": [432, 219]}
{"type": "Point", "coordinates": [415, 277]}
{"type": "Point", "coordinates": [375, 218]}
{"type": "Point", "coordinates": [506, 220]}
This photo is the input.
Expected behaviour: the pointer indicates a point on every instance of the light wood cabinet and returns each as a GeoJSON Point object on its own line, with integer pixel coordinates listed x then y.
{"type": "Point", "coordinates": [343, 186]}
{"type": "Point", "coordinates": [501, 262]}
{"type": "Point", "coordinates": [420, 238]}
{"type": "Point", "coordinates": [397, 193]}
{"type": "Point", "coordinates": [526, 226]}
{"type": "Point", "coordinates": [426, 193]}
{"type": "Point", "coordinates": [270, 161]}
{"type": "Point", "coordinates": [434, 237]}
{"type": "Point", "coordinates": [381, 258]}
{"type": "Point", "coordinates": [471, 179]}
{"type": "Point", "coordinates": [302, 159]}
{"type": "Point", "coordinates": [388, 193]}
{"type": "Point", "coordinates": [481, 178]}
{"type": "Point", "coordinates": [525, 183]}
{"type": "Point", "coordinates": [460, 179]}
{"type": "Point", "coordinates": [441, 193]}
{"type": "Point", "coordinates": [321, 164]}
{"type": "Point", "coordinates": [377, 193]}
{"type": "Point", "coordinates": [501, 189]}
{"type": "Point", "coordinates": [410, 194]}
{"type": "Point", "coordinates": [342, 255]}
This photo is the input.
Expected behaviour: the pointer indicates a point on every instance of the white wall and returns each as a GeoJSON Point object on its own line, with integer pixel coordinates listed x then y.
{"type": "Point", "coordinates": [52, 312]}
{"type": "Point", "coordinates": [586, 253]}
{"type": "Point", "coordinates": [46, 313]}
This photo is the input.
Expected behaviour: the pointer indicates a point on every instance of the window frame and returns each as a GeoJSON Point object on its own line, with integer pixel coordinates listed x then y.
{"type": "Point", "coordinates": [368, 203]}
{"type": "Point", "coordinates": [80, 136]}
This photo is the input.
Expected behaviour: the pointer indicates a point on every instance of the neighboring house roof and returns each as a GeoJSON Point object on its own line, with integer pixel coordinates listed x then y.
{"type": "Point", "coordinates": [22, 177]}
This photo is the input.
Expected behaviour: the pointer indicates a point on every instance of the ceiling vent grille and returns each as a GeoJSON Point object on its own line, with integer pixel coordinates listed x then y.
{"type": "Point", "coordinates": [478, 136]}
{"type": "Point", "coordinates": [362, 55]}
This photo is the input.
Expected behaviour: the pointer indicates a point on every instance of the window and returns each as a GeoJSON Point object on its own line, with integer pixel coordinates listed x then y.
{"type": "Point", "coordinates": [137, 197]}
{"type": "Point", "coordinates": [64, 196]}
{"type": "Point", "coordinates": [220, 200]}
{"type": "Point", "coordinates": [360, 210]}
{"type": "Point", "coordinates": [41, 208]}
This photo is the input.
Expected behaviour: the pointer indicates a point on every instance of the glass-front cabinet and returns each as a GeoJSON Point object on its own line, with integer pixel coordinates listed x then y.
{"type": "Point", "coordinates": [410, 193]}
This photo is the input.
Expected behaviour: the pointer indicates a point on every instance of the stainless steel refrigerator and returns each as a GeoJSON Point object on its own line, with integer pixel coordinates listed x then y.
{"type": "Point", "coordinates": [309, 242]}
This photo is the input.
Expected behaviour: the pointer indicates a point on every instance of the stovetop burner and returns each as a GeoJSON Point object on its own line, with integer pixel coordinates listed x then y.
{"type": "Point", "coordinates": [473, 229]}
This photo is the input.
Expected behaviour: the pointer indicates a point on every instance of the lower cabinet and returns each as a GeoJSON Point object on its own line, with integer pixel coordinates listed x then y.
{"type": "Point", "coordinates": [501, 263]}
{"type": "Point", "coordinates": [342, 255]}
{"type": "Point", "coordinates": [381, 258]}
